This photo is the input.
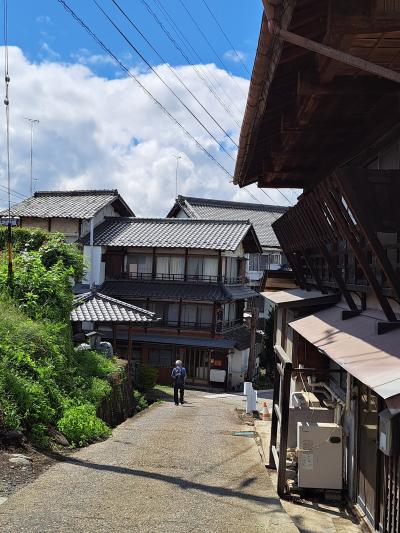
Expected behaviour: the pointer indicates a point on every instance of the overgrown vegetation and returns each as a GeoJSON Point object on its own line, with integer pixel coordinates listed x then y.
{"type": "Point", "coordinates": [147, 378]}
{"type": "Point", "coordinates": [43, 382]}
{"type": "Point", "coordinates": [140, 401]}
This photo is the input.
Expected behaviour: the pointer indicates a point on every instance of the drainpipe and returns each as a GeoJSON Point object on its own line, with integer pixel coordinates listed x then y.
{"type": "Point", "coordinates": [319, 48]}
{"type": "Point", "coordinates": [91, 240]}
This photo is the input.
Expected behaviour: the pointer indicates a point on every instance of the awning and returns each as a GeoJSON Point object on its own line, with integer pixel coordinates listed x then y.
{"type": "Point", "coordinates": [176, 340]}
{"type": "Point", "coordinates": [299, 297]}
{"type": "Point", "coordinates": [355, 346]}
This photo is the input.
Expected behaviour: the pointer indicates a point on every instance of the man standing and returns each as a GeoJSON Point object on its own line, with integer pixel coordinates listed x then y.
{"type": "Point", "coordinates": [179, 376]}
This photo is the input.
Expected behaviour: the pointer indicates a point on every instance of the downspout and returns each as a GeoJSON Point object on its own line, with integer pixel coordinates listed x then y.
{"type": "Point", "coordinates": [319, 48]}
{"type": "Point", "coordinates": [91, 241]}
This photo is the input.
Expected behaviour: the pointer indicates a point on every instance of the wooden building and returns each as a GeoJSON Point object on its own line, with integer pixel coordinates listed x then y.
{"type": "Point", "coordinates": [191, 274]}
{"type": "Point", "coordinates": [323, 115]}
{"type": "Point", "coordinates": [73, 213]}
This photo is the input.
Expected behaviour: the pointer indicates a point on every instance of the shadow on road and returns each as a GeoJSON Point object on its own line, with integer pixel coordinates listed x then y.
{"type": "Point", "coordinates": [178, 481]}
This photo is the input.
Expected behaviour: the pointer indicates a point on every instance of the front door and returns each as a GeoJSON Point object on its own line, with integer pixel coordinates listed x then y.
{"type": "Point", "coordinates": [367, 452]}
{"type": "Point", "coordinates": [197, 364]}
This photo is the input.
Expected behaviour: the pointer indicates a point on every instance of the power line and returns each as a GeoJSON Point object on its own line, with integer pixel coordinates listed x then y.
{"type": "Point", "coordinates": [161, 79]}
{"type": "Point", "coordinates": [188, 43]}
{"type": "Point", "coordinates": [202, 77]}
{"type": "Point", "coordinates": [209, 43]}
{"type": "Point", "coordinates": [132, 76]}
{"type": "Point", "coordinates": [174, 72]}
{"type": "Point", "coordinates": [226, 37]}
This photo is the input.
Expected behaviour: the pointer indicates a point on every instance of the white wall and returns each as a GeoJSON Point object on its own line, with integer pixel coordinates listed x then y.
{"type": "Point", "coordinates": [237, 366]}
{"type": "Point", "coordinates": [96, 269]}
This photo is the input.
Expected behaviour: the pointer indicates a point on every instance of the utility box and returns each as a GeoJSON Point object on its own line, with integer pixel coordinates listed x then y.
{"type": "Point", "coordinates": [389, 433]}
{"type": "Point", "coordinates": [320, 455]}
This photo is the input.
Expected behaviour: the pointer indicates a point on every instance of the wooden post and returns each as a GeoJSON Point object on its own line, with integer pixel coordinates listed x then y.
{"type": "Point", "coordinates": [114, 332]}
{"type": "Point", "coordinates": [130, 348]}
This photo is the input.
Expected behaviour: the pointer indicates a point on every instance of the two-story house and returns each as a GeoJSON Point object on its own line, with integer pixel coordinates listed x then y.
{"type": "Point", "coordinates": [191, 274]}
{"type": "Point", "coordinates": [324, 116]}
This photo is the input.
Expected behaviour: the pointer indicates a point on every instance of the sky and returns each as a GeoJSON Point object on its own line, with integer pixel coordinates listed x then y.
{"type": "Point", "coordinates": [100, 128]}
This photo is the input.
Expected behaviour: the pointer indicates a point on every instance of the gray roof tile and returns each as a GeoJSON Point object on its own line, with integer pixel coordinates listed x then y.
{"type": "Point", "coordinates": [166, 290]}
{"type": "Point", "coordinates": [260, 215]}
{"type": "Point", "coordinates": [67, 204]}
{"type": "Point", "coordinates": [173, 233]}
{"type": "Point", "coordinates": [97, 307]}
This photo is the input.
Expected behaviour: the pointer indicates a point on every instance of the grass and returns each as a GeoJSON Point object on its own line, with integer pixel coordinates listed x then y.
{"type": "Point", "coordinates": [160, 393]}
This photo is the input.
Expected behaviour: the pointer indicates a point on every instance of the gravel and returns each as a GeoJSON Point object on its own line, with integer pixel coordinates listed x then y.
{"type": "Point", "coordinates": [169, 469]}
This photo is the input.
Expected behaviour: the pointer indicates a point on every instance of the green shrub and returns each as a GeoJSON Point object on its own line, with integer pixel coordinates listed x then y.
{"type": "Point", "coordinates": [23, 238]}
{"type": "Point", "coordinates": [97, 391]}
{"type": "Point", "coordinates": [140, 401]}
{"type": "Point", "coordinates": [147, 377]}
{"type": "Point", "coordinates": [81, 426]}
{"type": "Point", "coordinates": [39, 436]}
{"type": "Point", "coordinates": [9, 416]}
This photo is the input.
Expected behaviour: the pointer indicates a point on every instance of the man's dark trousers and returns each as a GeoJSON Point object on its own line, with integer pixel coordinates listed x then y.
{"type": "Point", "coordinates": [181, 388]}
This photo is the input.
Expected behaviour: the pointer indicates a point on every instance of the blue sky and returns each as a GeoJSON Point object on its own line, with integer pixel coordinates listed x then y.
{"type": "Point", "coordinates": [99, 129]}
{"type": "Point", "coordinates": [44, 30]}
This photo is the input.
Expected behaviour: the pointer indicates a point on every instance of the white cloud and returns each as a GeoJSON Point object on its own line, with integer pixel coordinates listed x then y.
{"type": "Point", "coordinates": [85, 57]}
{"type": "Point", "coordinates": [101, 133]}
{"type": "Point", "coordinates": [235, 56]}
{"type": "Point", "coordinates": [43, 19]}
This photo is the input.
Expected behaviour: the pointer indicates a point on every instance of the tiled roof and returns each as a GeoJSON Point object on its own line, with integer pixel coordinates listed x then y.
{"type": "Point", "coordinates": [166, 290]}
{"type": "Point", "coordinates": [241, 337]}
{"type": "Point", "coordinates": [68, 204]}
{"type": "Point", "coordinates": [173, 233]}
{"type": "Point", "coordinates": [260, 215]}
{"type": "Point", "coordinates": [97, 307]}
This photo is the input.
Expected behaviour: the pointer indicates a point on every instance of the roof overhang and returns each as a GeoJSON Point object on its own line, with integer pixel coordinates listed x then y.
{"type": "Point", "coordinates": [307, 114]}
{"type": "Point", "coordinates": [356, 347]}
{"type": "Point", "coordinates": [300, 298]}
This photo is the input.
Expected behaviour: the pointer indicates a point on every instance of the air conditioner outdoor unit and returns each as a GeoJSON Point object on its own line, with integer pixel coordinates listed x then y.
{"type": "Point", "coordinates": [305, 400]}
{"type": "Point", "coordinates": [319, 454]}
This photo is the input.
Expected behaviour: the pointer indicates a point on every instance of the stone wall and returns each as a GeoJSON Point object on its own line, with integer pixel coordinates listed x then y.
{"type": "Point", "coordinates": [119, 405]}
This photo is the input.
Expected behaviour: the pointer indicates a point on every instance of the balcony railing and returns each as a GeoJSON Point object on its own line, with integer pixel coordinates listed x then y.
{"type": "Point", "coordinates": [194, 278]}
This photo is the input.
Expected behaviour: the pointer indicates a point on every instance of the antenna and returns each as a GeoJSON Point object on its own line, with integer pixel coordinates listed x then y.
{"type": "Point", "coordinates": [32, 122]}
{"type": "Point", "coordinates": [177, 157]}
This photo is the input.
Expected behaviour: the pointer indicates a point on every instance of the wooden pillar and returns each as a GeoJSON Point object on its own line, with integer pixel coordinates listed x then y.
{"type": "Point", "coordinates": [130, 348]}
{"type": "Point", "coordinates": [179, 315]}
{"type": "Point", "coordinates": [219, 265]}
{"type": "Point", "coordinates": [114, 333]}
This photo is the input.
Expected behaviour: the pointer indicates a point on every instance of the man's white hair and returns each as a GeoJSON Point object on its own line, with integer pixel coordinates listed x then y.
{"type": "Point", "coordinates": [178, 362]}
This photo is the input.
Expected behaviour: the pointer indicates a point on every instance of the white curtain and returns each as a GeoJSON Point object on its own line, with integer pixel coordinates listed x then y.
{"type": "Point", "coordinates": [206, 314]}
{"type": "Point", "coordinates": [189, 313]}
{"type": "Point", "coordinates": [162, 265]}
{"type": "Point", "coordinates": [173, 314]}
{"type": "Point", "coordinates": [210, 266]}
{"type": "Point", "coordinates": [177, 266]}
{"type": "Point", "coordinates": [145, 265]}
{"type": "Point", "coordinates": [195, 265]}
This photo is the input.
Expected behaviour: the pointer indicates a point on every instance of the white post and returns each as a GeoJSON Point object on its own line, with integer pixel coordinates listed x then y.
{"type": "Point", "coordinates": [91, 277]}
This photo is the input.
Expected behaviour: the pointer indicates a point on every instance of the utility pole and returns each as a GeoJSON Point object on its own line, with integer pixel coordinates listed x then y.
{"type": "Point", "coordinates": [253, 322]}
{"type": "Point", "coordinates": [177, 157]}
{"type": "Point", "coordinates": [32, 122]}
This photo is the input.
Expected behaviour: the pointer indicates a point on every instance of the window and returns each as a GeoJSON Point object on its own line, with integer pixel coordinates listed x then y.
{"type": "Point", "coordinates": [254, 262]}
{"type": "Point", "coordinates": [230, 312]}
{"type": "Point", "coordinates": [231, 267]}
{"type": "Point", "coordinates": [197, 315]}
{"type": "Point", "coordinates": [160, 357]}
{"type": "Point", "coordinates": [168, 312]}
{"type": "Point", "coordinates": [202, 268]}
{"type": "Point", "coordinates": [139, 266]}
{"type": "Point", "coordinates": [170, 267]}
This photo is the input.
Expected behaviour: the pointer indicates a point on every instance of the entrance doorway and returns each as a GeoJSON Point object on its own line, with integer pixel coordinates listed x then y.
{"type": "Point", "coordinates": [197, 364]}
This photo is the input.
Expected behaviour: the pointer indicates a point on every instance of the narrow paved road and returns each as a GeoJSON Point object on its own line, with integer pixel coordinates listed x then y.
{"type": "Point", "coordinates": [170, 469]}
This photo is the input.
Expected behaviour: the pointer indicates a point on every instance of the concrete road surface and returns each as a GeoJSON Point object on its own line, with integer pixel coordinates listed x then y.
{"type": "Point", "coordinates": [170, 469]}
